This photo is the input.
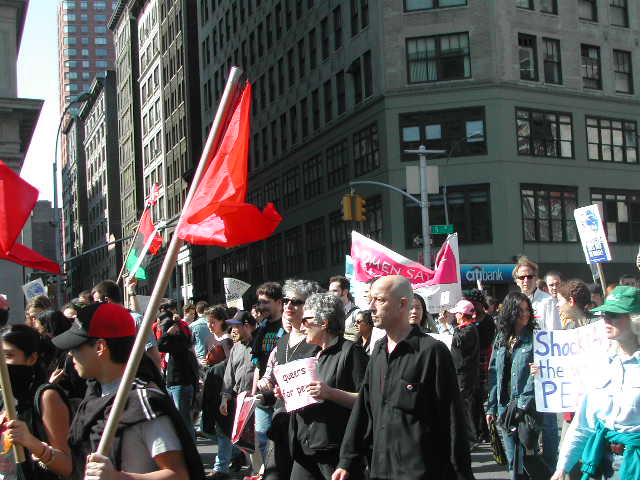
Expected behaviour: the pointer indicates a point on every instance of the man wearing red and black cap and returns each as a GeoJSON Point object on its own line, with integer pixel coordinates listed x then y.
{"type": "Point", "coordinates": [100, 341]}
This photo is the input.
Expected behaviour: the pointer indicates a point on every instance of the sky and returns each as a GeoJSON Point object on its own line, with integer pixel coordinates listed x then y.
{"type": "Point", "coordinates": [38, 78]}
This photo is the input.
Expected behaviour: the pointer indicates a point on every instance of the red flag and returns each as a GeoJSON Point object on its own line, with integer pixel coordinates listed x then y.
{"type": "Point", "coordinates": [154, 194]}
{"type": "Point", "coordinates": [218, 213]}
{"type": "Point", "coordinates": [30, 258]}
{"type": "Point", "coordinates": [17, 199]}
{"type": "Point", "coordinates": [147, 229]}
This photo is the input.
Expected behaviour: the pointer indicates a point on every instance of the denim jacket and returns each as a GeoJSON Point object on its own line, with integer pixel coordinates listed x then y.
{"type": "Point", "coordinates": [522, 387]}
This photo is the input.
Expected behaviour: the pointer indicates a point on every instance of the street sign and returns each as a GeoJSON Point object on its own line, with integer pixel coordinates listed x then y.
{"type": "Point", "coordinates": [441, 229]}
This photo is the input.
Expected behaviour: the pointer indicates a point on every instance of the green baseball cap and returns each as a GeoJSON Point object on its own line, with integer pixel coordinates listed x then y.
{"type": "Point", "coordinates": [623, 299]}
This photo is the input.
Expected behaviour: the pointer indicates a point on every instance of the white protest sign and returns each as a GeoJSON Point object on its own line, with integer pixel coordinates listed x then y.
{"type": "Point", "coordinates": [233, 291]}
{"type": "Point", "coordinates": [570, 362]}
{"type": "Point", "coordinates": [592, 234]}
{"type": "Point", "coordinates": [293, 379]}
{"type": "Point", "coordinates": [33, 289]}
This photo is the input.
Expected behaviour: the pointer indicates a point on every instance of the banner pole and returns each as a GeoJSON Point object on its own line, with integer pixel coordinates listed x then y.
{"type": "Point", "coordinates": [165, 273]}
{"type": "Point", "coordinates": [9, 402]}
{"type": "Point", "coordinates": [133, 240]}
{"type": "Point", "coordinates": [603, 283]}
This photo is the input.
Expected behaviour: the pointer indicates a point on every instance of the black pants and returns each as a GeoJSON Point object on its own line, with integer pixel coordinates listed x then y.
{"type": "Point", "coordinates": [314, 467]}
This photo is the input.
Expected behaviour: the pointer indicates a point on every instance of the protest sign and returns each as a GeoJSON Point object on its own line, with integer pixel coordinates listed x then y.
{"type": "Point", "coordinates": [242, 433]}
{"type": "Point", "coordinates": [33, 289]}
{"type": "Point", "coordinates": [293, 379]}
{"type": "Point", "coordinates": [592, 234]}
{"type": "Point", "coordinates": [570, 362]}
{"type": "Point", "coordinates": [440, 287]}
{"type": "Point", "coordinates": [233, 291]}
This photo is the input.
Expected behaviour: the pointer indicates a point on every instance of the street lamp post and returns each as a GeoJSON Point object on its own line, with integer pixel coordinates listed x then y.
{"type": "Point", "coordinates": [56, 214]}
{"type": "Point", "coordinates": [422, 153]}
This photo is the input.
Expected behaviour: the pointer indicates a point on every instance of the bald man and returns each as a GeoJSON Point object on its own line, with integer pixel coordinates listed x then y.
{"type": "Point", "coordinates": [408, 414]}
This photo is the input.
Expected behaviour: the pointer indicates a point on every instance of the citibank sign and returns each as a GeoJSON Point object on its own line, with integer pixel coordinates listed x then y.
{"type": "Point", "coordinates": [487, 273]}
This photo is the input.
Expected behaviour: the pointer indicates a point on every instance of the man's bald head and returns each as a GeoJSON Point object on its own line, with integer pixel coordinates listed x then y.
{"type": "Point", "coordinates": [391, 299]}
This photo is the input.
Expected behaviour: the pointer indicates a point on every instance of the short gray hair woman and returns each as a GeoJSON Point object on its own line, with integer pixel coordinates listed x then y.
{"type": "Point", "coordinates": [340, 371]}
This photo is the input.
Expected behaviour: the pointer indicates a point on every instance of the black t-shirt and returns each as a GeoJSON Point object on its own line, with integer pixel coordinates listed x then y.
{"type": "Point", "coordinates": [265, 339]}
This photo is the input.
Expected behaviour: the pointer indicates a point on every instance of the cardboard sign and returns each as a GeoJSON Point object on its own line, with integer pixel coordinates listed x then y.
{"type": "Point", "coordinates": [592, 234]}
{"type": "Point", "coordinates": [33, 289]}
{"type": "Point", "coordinates": [242, 433]}
{"type": "Point", "coordinates": [293, 379]}
{"type": "Point", "coordinates": [233, 291]}
{"type": "Point", "coordinates": [570, 362]}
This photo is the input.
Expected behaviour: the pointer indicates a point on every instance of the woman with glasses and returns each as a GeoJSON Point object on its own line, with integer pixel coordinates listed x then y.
{"type": "Point", "coordinates": [511, 386]}
{"type": "Point", "coordinates": [605, 433]}
{"type": "Point", "coordinates": [316, 431]}
{"type": "Point", "coordinates": [44, 415]}
{"type": "Point", "coordinates": [291, 346]}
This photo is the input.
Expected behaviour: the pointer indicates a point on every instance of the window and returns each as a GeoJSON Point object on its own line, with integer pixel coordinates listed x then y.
{"type": "Point", "coordinates": [293, 117]}
{"type": "Point", "coordinates": [588, 10]}
{"type": "Point", "coordinates": [273, 267]}
{"type": "Point", "coordinates": [528, 4]}
{"type": "Point", "coordinates": [68, 5]}
{"type": "Point", "coordinates": [549, 6]}
{"type": "Point", "coordinates": [99, 5]}
{"type": "Point", "coordinates": [100, 40]}
{"type": "Point", "coordinates": [304, 117]}
{"type": "Point", "coordinates": [372, 226]}
{"type": "Point", "coordinates": [547, 213]}
{"type": "Point", "coordinates": [69, 52]}
{"type": "Point", "coordinates": [339, 238]}
{"type": "Point", "coordinates": [100, 52]}
{"type": "Point", "coordinates": [468, 208]}
{"type": "Point", "coordinates": [283, 131]}
{"type": "Point", "coordinates": [340, 92]}
{"type": "Point", "coordinates": [301, 58]}
{"type": "Point", "coordinates": [69, 17]}
{"type": "Point", "coordinates": [291, 66]}
{"type": "Point", "coordinates": [100, 18]}
{"type": "Point", "coordinates": [591, 76]}
{"type": "Point", "coordinates": [337, 27]}
{"type": "Point", "coordinates": [619, 13]}
{"type": "Point", "coordinates": [356, 76]}
{"type": "Point", "coordinates": [610, 139]}
{"type": "Point", "coordinates": [69, 29]}
{"type": "Point", "coordinates": [623, 71]}
{"type": "Point", "coordinates": [313, 49]}
{"type": "Point", "coordinates": [364, 13]}
{"type": "Point", "coordinates": [293, 251]}
{"type": "Point", "coordinates": [459, 131]}
{"type": "Point", "coordinates": [324, 38]}
{"type": "Point", "coordinates": [337, 164]}
{"type": "Point", "coordinates": [366, 154]}
{"type": "Point", "coordinates": [368, 74]}
{"type": "Point", "coordinates": [544, 134]}
{"type": "Point", "coordinates": [552, 61]}
{"type": "Point", "coordinates": [621, 212]}
{"type": "Point", "coordinates": [312, 181]}
{"type": "Point", "coordinates": [528, 57]}
{"type": "Point", "coordinates": [268, 23]}
{"type": "Point", "coordinates": [412, 5]}
{"type": "Point", "coordinates": [442, 57]}
{"type": "Point", "coordinates": [281, 76]}
{"type": "Point", "coordinates": [355, 21]}
{"type": "Point", "coordinates": [69, 40]}
{"type": "Point", "coordinates": [100, 29]}
{"type": "Point", "coordinates": [288, 14]}
{"type": "Point", "coordinates": [272, 192]}
{"type": "Point", "coordinates": [328, 101]}
{"type": "Point", "coordinates": [315, 109]}
{"type": "Point", "coordinates": [315, 244]}
{"type": "Point", "coordinates": [278, 21]}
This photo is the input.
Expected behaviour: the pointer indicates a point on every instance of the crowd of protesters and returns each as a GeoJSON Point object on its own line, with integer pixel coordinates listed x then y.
{"type": "Point", "coordinates": [402, 393]}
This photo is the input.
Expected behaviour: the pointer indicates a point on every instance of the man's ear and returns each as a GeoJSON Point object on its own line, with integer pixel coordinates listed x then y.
{"type": "Point", "coordinates": [101, 347]}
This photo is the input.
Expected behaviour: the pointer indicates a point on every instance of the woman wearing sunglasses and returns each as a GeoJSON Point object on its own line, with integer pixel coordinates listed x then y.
{"type": "Point", "coordinates": [317, 430]}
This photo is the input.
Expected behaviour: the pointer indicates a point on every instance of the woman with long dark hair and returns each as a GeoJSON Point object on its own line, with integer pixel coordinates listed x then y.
{"type": "Point", "coordinates": [419, 315]}
{"type": "Point", "coordinates": [511, 387]}
{"type": "Point", "coordinates": [44, 415]}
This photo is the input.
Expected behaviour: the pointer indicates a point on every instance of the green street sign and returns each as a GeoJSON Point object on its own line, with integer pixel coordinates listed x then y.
{"type": "Point", "coordinates": [441, 229]}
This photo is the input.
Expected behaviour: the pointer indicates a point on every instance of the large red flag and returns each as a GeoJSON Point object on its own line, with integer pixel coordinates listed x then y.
{"type": "Point", "coordinates": [218, 213]}
{"type": "Point", "coordinates": [30, 258]}
{"type": "Point", "coordinates": [17, 199]}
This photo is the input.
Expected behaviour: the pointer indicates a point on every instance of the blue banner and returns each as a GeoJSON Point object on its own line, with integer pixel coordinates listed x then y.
{"type": "Point", "coordinates": [486, 272]}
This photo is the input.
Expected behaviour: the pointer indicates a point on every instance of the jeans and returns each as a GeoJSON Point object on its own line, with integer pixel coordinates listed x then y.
{"type": "Point", "coordinates": [550, 438]}
{"type": "Point", "coordinates": [225, 448]}
{"type": "Point", "coordinates": [263, 422]}
{"type": "Point", "coordinates": [182, 396]}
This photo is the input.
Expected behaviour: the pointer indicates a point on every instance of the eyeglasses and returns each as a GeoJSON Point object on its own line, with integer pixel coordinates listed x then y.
{"type": "Point", "coordinates": [296, 302]}
{"type": "Point", "coordinates": [310, 321]}
{"type": "Point", "coordinates": [614, 317]}
{"type": "Point", "coordinates": [528, 277]}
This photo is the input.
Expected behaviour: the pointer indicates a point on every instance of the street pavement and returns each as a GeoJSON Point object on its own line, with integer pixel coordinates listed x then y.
{"type": "Point", "coordinates": [484, 468]}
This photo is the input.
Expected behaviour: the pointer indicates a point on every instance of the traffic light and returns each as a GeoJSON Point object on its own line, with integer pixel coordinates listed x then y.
{"type": "Point", "coordinates": [347, 209]}
{"type": "Point", "coordinates": [359, 209]}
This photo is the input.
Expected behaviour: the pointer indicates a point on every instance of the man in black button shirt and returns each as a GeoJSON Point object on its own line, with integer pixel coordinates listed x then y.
{"type": "Point", "coordinates": [408, 415]}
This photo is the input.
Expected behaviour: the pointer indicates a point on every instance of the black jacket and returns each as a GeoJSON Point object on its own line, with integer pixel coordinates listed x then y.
{"type": "Point", "coordinates": [465, 351]}
{"type": "Point", "coordinates": [409, 415]}
{"type": "Point", "coordinates": [182, 367]}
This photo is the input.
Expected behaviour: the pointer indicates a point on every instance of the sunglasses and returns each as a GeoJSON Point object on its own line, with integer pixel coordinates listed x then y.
{"type": "Point", "coordinates": [310, 321]}
{"type": "Point", "coordinates": [522, 277]}
{"type": "Point", "coordinates": [614, 317]}
{"type": "Point", "coordinates": [296, 302]}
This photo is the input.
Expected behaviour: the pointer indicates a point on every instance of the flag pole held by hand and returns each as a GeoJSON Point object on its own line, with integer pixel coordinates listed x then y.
{"type": "Point", "coordinates": [9, 402]}
{"type": "Point", "coordinates": [165, 272]}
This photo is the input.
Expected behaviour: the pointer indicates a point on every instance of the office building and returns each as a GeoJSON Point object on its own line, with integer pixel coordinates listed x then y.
{"type": "Point", "coordinates": [18, 118]}
{"type": "Point", "coordinates": [535, 102]}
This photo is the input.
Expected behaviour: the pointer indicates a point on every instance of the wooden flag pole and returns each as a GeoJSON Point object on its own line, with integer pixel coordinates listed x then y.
{"type": "Point", "coordinates": [164, 275]}
{"type": "Point", "coordinates": [133, 240]}
{"type": "Point", "coordinates": [9, 402]}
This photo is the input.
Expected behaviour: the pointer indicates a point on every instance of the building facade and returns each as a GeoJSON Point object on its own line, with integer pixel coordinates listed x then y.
{"type": "Point", "coordinates": [85, 45]}
{"type": "Point", "coordinates": [535, 102]}
{"type": "Point", "coordinates": [102, 182]}
{"type": "Point", "coordinates": [18, 118]}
